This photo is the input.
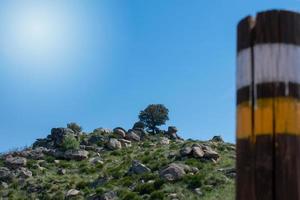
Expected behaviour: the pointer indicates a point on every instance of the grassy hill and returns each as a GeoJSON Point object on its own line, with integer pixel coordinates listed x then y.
{"type": "Point", "coordinates": [109, 165]}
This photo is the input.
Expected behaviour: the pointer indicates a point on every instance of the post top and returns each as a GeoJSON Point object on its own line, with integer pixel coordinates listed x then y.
{"type": "Point", "coordinates": [272, 26]}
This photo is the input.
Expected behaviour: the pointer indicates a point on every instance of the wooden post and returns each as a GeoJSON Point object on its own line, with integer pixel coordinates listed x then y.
{"type": "Point", "coordinates": [268, 107]}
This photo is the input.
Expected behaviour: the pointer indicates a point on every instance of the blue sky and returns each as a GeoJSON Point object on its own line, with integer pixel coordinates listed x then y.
{"type": "Point", "coordinates": [99, 63]}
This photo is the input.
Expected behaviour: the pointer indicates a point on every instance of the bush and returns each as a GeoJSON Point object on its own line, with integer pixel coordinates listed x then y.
{"type": "Point", "coordinates": [75, 127]}
{"type": "Point", "coordinates": [157, 195]}
{"type": "Point", "coordinates": [154, 115]}
{"type": "Point", "coordinates": [70, 142]}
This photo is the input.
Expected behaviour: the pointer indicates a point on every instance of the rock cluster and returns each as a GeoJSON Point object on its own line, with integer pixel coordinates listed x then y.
{"type": "Point", "coordinates": [199, 151]}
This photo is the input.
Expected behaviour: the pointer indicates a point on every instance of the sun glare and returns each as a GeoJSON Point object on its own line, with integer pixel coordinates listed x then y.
{"type": "Point", "coordinates": [35, 33]}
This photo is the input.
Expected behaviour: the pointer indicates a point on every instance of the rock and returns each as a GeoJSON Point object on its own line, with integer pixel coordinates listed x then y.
{"type": "Point", "coordinates": [96, 160]}
{"type": "Point", "coordinates": [58, 134]}
{"type": "Point", "coordinates": [15, 162]}
{"type": "Point", "coordinates": [45, 142]}
{"type": "Point", "coordinates": [185, 151]}
{"type": "Point", "coordinates": [131, 135]}
{"type": "Point", "coordinates": [120, 132]}
{"type": "Point", "coordinates": [75, 154]}
{"type": "Point", "coordinates": [72, 193]}
{"type": "Point", "coordinates": [101, 181]}
{"type": "Point", "coordinates": [61, 172]}
{"type": "Point", "coordinates": [138, 125]}
{"type": "Point", "coordinates": [230, 172]}
{"type": "Point", "coordinates": [164, 141]}
{"type": "Point", "coordinates": [210, 154]}
{"type": "Point", "coordinates": [125, 143]}
{"type": "Point", "coordinates": [108, 196]}
{"type": "Point", "coordinates": [95, 139]}
{"type": "Point", "coordinates": [198, 191]}
{"type": "Point", "coordinates": [24, 173]}
{"type": "Point", "coordinates": [114, 144]}
{"type": "Point", "coordinates": [138, 168]}
{"type": "Point", "coordinates": [103, 131]}
{"type": "Point", "coordinates": [172, 129]}
{"type": "Point", "coordinates": [56, 161]}
{"type": "Point", "coordinates": [217, 139]}
{"type": "Point", "coordinates": [197, 152]}
{"type": "Point", "coordinates": [3, 185]}
{"type": "Point", "coordinates": [172, 132]}
{"type": "Point", "coordinates": [172, 172]}
{"type": "Point", "coordinates": [6, 174]}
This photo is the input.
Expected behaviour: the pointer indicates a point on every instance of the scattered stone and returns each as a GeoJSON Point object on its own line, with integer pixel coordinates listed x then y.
{"type": "Point", "coordinates": [131, 135]}
{"type": "Point", "coordinates": [230, 172]}
{"type": "Point", "coordinates": [164, 141]}
{"type": "Point", "coordinates": [172, 172]}
{"type": "Point", "coordinates": [138, 168]}
{"type": "Point", "coordinates": [101, 181]}
{"type": "Point", "coordinates": [114, 144]}
{"type": "Point", "coordinates": [172, 195]}
{"type": "Point", "coordinates": [185, 151]}
{"type": "Point", "coordinates": [120, 132]}
{"type": "Point", "coordinates": [72, 193]}
{"type": "Point", "coordinates": [6, 174]}
{"type": "Point", "coordinates": [15, 162]}
{"type": "Point", "coordinates": [108, 196]}
{"type": "Point", "coordinates": [61, 172]}
{"type": "Point", "coordinates": [96, 160]}
{"type": "Point", "coordinates": [198, 191]}
{"type": "Point", "coordinates": [75, 154]}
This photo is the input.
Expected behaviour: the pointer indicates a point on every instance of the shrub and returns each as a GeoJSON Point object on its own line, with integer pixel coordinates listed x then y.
{"type": "Point", "coordinates": [75, 127]}
{"type": "Point", "coordinates": [70, 142]}
{"type": "Point", "coordinates": [157, 195]}
{"type": "Point", "coordinates": [154, 115]}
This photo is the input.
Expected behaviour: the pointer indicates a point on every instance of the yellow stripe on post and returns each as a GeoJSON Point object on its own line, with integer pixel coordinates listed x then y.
{"type": "Point", "coordinates": [287, 116]}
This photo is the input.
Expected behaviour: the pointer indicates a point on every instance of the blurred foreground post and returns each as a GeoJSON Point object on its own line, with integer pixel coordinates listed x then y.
{"type": "Point", "coordinates": [268, 107]}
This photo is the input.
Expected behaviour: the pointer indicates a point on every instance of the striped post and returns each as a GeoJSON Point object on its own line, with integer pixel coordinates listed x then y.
{"type": "Point", "coordinates": [268, 107]}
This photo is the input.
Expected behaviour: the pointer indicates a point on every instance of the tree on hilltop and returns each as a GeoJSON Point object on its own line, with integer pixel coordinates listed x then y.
{"type": "Point", "coordinates": [154, 115]}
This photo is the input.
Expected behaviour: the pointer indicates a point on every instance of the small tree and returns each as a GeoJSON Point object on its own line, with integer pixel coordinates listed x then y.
{"type": "Point", "coordinates": [154, 115]}
{"type": "Point", "coordinates": [75, 127]}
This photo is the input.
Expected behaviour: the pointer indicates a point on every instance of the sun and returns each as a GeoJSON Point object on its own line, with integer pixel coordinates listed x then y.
{"type": "Point", "coordinates": [35, 32]}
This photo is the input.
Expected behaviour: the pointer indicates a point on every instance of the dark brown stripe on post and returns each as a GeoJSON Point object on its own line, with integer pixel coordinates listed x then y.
{"type": "Point", "coordinates": [266, 90]}
{"type": "Point", "coordinates": [274, 26]}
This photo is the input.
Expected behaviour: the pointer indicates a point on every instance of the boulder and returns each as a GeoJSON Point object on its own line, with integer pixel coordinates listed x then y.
{"type": "Point", "coordinates": [125, 143]}
{"type": "Point", "coordinates": [172, 172]}
{"type": "Point", "coordinates": [119, 132]}
{"type": "Point", "coordinates": [58, 134]}
{"type": "Point", "coordinates": [44, 142]}
{"type": "Point", "coordinates": [172, 129]}
{"type": "Point", "coordinates": [72, 193]}
{"type": "Point", "coordinates": [172, 132]}
{"type": "Point", "coordinates": [104, 131]}
{"type": "Point", "coordinates": [24, 173]}
{"type": "Point", "coordinates": [210, 154]}
{"type": "Point", "coordinates": [3, 185]}
{"type": "Point", "coordinates": [131, 135]}
{"type": "Point", "coordinates": [114, 144]}
{"type": "Point", "coordinates": [185, 151]}
{"type": "Point", "coordinates": [138, 168]}
{"type": "Point", "coordinates": [164, 141]}
{"type": "Point", "coordinates": [6, 174]}
{"type": "Point", "coordinates": [15, 162]}
{"type": "Point", "coordinates": [197, 152]}
{"type": "Point", "coordinates": [95, 139]}
{"type": "Point", "coordinates": [75, 154]}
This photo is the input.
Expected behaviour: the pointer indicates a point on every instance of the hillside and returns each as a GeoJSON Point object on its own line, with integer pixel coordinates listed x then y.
{"type": "Point", "coordinates": [119, 164]}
